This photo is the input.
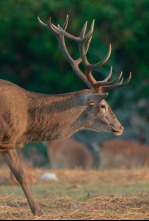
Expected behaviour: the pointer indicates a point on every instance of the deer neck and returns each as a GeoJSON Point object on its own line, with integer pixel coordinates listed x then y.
{"type": "Point", "coordinates": [54, 117]}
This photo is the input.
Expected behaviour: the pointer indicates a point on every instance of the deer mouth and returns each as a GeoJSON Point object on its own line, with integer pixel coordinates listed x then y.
{"type": "Point", "coordinates": [117, 132]}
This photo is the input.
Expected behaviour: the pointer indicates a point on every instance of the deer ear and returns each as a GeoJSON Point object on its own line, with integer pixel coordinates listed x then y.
{"type": "Point", "coordinates": [96, 98]}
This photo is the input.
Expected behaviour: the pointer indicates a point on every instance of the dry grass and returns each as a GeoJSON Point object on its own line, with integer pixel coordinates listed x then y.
{"type": "Point", "coordinates": [83, 195]}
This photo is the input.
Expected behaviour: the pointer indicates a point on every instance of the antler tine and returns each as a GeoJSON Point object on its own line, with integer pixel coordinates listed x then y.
{"type": "Point", "coordinates": [78, 61]}
{"type": "Point", "coordinates": [112, 87]}
{"type": "Point", "coordinates": [108, 77]}
{"type": "Point", "coordinates": [66, 23]}
{"type": "Point", "coordinates": [104, 83]}
{"type": "Point", "coordinates": [90, 67]}
{"type": "Point", "coordinates": [86, 49]}
{"type": "Point", "coordinates": [100, 63]}
{"type": "Point", "coordinates": [60, 37]}
{"type": "Point", "coordinates": [83, 30]}
{"type": "Point", "coordinates": [42, 23]}
{"type": "Point", "coordinates": [88, 43]}
{"type": "Point", "coordinates": [82, 42]}
{"type": "Point", "coordinates": [49, 26]}
{"type": "Point", "coordinates": [89, 33]}
{"type": "Point", "coordinates": [61, 31]}
{"type": "Point", "coordinates": [78, 39]}
{"type": "Point", "coordinates": [121, 81]}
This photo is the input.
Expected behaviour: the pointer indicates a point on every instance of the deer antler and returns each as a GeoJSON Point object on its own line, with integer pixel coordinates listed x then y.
{"type": "Point", "coordinates": [98, 86]}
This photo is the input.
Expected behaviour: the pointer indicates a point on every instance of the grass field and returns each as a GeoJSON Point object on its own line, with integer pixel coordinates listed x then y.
{"type": "Point", "coordinates": [83, 195]}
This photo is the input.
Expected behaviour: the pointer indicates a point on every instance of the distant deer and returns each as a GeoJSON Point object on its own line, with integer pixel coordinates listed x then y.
{"type": "Point", "coordinates": [27, 116]}
{"type": "Point", "coordinates": [123, 154]}
{"type": "Point", "coordinates": [69, 154]}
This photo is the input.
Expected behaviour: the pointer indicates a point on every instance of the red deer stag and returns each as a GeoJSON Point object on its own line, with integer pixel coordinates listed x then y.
{"type": "Point", "coordinates": [68, 154]}
{"type": "Point", "coordinates": [27, 116]}
{"type": "Point", "coordinates": [123, 154]}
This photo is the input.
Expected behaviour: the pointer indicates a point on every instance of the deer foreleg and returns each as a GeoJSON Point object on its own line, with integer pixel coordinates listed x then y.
{"type": "Point", "coordinates": [12, 160]}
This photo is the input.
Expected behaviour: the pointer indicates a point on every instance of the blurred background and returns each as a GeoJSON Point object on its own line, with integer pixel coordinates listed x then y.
{"type": "Point", "coordinates": [30, 57]}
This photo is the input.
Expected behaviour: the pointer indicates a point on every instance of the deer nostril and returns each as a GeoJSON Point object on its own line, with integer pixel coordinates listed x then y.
{"type": "Point", "coordinates": [121, 127]}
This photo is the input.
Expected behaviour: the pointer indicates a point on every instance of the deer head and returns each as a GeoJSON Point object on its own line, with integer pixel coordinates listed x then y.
{"type": "Point", "coordinates": [98, 115]}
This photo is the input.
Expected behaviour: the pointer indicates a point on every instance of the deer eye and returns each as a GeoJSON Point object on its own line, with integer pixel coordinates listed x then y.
{"type": "Point", "coordinates": [103, 106]}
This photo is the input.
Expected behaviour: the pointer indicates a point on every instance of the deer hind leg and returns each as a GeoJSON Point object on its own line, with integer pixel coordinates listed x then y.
{"type": "Point", "coordinates": [12, 160]}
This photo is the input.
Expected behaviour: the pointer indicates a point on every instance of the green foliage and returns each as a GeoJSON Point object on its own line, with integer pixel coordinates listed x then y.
{"type": "Point", "coordinates": [30, 55]}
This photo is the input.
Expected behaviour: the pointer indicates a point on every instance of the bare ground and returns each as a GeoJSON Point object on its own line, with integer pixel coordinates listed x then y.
{"type": "Point", "coordinates": [82, 195]}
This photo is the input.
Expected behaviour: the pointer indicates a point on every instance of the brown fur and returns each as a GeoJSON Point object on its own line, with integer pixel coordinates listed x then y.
{"type": "Point", "coordinates": [26, 116]}
{"type": "Point", "coordinates": [68, 154]}
{"type": "Point", "coordinates": [123, 153]}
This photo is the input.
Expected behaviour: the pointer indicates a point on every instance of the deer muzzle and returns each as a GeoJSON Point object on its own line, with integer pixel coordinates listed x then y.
{"type": "Point", "coordinates": [117, 130]}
